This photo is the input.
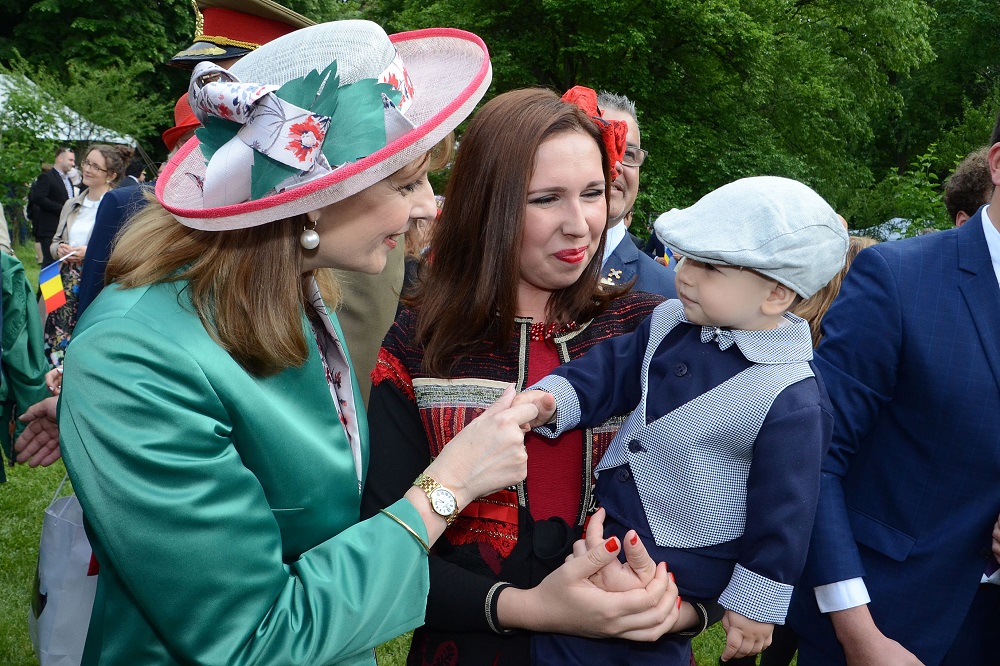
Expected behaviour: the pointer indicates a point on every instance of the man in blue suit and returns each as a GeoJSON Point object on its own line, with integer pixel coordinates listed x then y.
{"type": "Point", "coordinates": [911, 484]}
{"type": "Point", "coordinates": [622, 259]}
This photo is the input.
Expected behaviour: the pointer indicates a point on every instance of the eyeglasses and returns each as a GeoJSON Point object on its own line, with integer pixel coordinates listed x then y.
{"type": "Point", "coordinates": [634, 157]}
{"type": "Point", "coordinates": [87, 164]}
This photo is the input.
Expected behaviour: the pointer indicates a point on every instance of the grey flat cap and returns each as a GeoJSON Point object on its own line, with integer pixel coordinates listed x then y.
{"type": "Point", "coordinates": [776, 226]}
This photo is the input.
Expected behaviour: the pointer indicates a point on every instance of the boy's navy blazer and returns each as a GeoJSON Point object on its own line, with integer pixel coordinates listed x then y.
{"type": "Point", "coordinates": [911, 484]}
{"type": "Point", "coordinates": [654, 278]}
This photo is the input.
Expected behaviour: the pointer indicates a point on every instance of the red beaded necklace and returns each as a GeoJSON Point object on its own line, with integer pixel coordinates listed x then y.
{"type": "Point", "coordinates": [540, 330]}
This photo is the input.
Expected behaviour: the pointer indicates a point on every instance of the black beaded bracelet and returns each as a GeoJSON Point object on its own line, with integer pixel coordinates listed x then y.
{"type": "Point", "coordinates": [492, 599]}
{"type": "Point", "coordinates": [709, 612]}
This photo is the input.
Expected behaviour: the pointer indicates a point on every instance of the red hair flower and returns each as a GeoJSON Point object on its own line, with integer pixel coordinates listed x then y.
{"type": "Point", "coordinates": [614, 132]}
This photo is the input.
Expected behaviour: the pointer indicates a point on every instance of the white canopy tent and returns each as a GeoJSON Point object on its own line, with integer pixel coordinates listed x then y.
{"type": "Point", "coordinates": [57, 121]}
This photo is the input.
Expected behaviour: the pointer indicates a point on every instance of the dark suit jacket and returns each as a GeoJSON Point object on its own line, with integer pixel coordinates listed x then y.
{"type": "Point", "coordinates": [47, 196]}
{"type": "Point", "coordinates": [911, 484]}
{"type": "Point", "coordinates": [627, 262]}
{"type": "Point", "coordinates": [117, 207]}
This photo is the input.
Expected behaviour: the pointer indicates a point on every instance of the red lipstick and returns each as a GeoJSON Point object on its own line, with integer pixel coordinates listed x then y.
{"type": "Point", "coordinates": [573, 256]}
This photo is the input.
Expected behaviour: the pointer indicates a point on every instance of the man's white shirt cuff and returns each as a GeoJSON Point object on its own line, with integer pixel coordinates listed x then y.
{"type": "Point", "coordinates": [841, 595]}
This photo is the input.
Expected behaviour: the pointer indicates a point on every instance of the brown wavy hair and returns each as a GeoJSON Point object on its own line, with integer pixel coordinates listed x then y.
{"type": "Point", "coordinates": [814, 308]}
{"type": "Point", "coordinates": [466, 300]}
{"type": "Point", "coordinates": [246, 285]}
{"type": "Point", "coordinates": [116, 157]}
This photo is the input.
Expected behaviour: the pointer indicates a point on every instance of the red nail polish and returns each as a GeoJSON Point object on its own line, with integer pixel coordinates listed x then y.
{"type": "Point", "coordinates": [611, 544]}
{"type": "Point", "coordinates": [678, 601]}
{"type": "Point", "coordinates": [634, 540]}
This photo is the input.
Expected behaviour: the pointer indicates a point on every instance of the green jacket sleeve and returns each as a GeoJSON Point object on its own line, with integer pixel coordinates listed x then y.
{"type": "Point", "coordinates": [188, 532]}
{"type": "Point", "coordinates": [24, 366]}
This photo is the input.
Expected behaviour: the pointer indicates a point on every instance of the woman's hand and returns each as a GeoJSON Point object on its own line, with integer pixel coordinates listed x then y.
{"type": "Point", "coordinates": [39, 443]}
{"type": "Point", "coordinates": [53, 380]}
{"type": "Point", "coordinates": [616, 576]}
{"type": "Point", "coordinates": [568, 602]}
{"type": "Point", "coordinates": [65, 250]}
{"type": "Point", "coordinates": [543, 401]}
{"type": "Point", "coordinates": [488, 454]}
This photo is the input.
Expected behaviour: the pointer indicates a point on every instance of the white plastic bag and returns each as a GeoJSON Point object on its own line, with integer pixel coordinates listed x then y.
{"type": "Point", "coordinates": [64, 591]}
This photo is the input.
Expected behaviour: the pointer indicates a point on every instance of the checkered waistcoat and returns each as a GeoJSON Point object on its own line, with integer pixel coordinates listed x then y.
{"type": "Point", "coordinates": [691, 465]}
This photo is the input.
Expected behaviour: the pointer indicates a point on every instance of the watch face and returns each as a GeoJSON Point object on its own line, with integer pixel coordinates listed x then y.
{"type": "Point", "coordinates": [443, 502]}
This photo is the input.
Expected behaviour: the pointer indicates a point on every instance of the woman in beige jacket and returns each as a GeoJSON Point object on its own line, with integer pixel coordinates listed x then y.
{"type": "Point", "coordinates": [103, 169]}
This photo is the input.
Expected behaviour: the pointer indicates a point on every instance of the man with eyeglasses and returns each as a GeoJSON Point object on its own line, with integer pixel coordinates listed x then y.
{"type": "Point", "coordinates": [622, 259]}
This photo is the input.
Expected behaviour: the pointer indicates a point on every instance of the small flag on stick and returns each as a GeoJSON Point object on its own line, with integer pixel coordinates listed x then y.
{"type": "Point", "coordinates": [52, 287]}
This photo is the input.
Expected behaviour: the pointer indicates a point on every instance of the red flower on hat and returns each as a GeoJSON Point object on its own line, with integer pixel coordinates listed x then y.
{"type": "Point", "coordinates": [304, 138]}
{"type": "Point", "coordinates": [614, 132]}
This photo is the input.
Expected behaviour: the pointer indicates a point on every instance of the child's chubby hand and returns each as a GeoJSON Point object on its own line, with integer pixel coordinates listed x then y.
{"type": "Point", "coordinates": [744, 636]}
{"type": "Point", "coordinates": [542, 400]}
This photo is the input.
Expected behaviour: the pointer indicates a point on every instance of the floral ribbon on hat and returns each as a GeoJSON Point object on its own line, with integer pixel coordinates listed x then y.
{"type": "Point", "coordinates": [263, 139]}
{"type": "Point", "coordinates": [614, 132]}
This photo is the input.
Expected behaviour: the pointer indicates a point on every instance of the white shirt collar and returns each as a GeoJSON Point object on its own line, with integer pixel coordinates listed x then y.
{"type": "Point", "coordinates": [992, 241]}
{"type": "Point", "coordinates": [616, 235]}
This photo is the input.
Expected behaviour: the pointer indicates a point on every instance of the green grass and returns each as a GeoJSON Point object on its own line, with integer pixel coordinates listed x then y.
{"type": "Point", "coordinates": [22, 504]}
{"type": "Point", "coordinates": [26, 253]}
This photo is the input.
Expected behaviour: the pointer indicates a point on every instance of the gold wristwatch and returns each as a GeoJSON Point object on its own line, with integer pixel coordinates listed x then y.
{"type": "Point", "coordinates": [442, 500]}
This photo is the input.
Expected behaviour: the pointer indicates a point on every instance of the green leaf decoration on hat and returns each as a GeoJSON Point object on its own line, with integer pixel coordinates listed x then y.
{"type": "Point", "coordinates": [357, 128]}
{"type": "Point", "coordinates": [265, 174]}
{"type": "Point", "coordinates": [357, 122]}
{"type": "Point", "coordinates": [214, 134]}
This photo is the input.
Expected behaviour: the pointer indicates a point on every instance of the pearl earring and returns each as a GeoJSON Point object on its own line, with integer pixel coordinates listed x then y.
{"type": "Point", "coordinates": [309, 238]}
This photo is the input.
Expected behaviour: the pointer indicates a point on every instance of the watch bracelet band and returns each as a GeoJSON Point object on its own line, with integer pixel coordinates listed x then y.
{"type": "Point", "coordinates": [428, 484]}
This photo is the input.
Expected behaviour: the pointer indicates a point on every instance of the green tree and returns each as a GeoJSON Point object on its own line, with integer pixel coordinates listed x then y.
{"type": "Point", "coordinates": [21, 151]}
{"type": "Point", "coordinates": [912, 197]}
{"type": "Point", "coordinates": [114, 44]}
{"type": "Point", "coordinates": [725, 88]}
{"type": "Point", "coordinates": [963, 75]}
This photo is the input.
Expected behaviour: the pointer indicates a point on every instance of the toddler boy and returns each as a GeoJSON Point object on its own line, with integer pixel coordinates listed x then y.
{"type": "Point", "coordinates": [718, 465]}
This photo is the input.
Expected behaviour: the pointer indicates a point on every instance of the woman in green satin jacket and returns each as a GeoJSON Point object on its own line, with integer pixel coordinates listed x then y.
{"type": "Point", "coordinates": [22, 380]}
{"type": "Point", "coordinates": [209, 416]}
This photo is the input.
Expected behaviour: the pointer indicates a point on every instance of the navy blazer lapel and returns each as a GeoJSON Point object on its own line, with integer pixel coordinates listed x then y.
{"type": "Point", "coordinates": [629, 257]}
{"type": "Point", "coordinates": [621, 265]}
{"type": "Point", "coordinates": [980, 289]}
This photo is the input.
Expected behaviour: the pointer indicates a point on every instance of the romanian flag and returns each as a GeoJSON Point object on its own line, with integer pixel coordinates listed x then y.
{"type": "Point", "coordinates": [51, 285]}
{"type": "Point", "coordinates": [669, 259]}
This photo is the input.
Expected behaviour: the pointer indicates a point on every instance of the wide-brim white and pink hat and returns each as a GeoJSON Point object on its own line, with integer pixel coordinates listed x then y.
{"type": "Point", "coordinates": [318, 115]}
